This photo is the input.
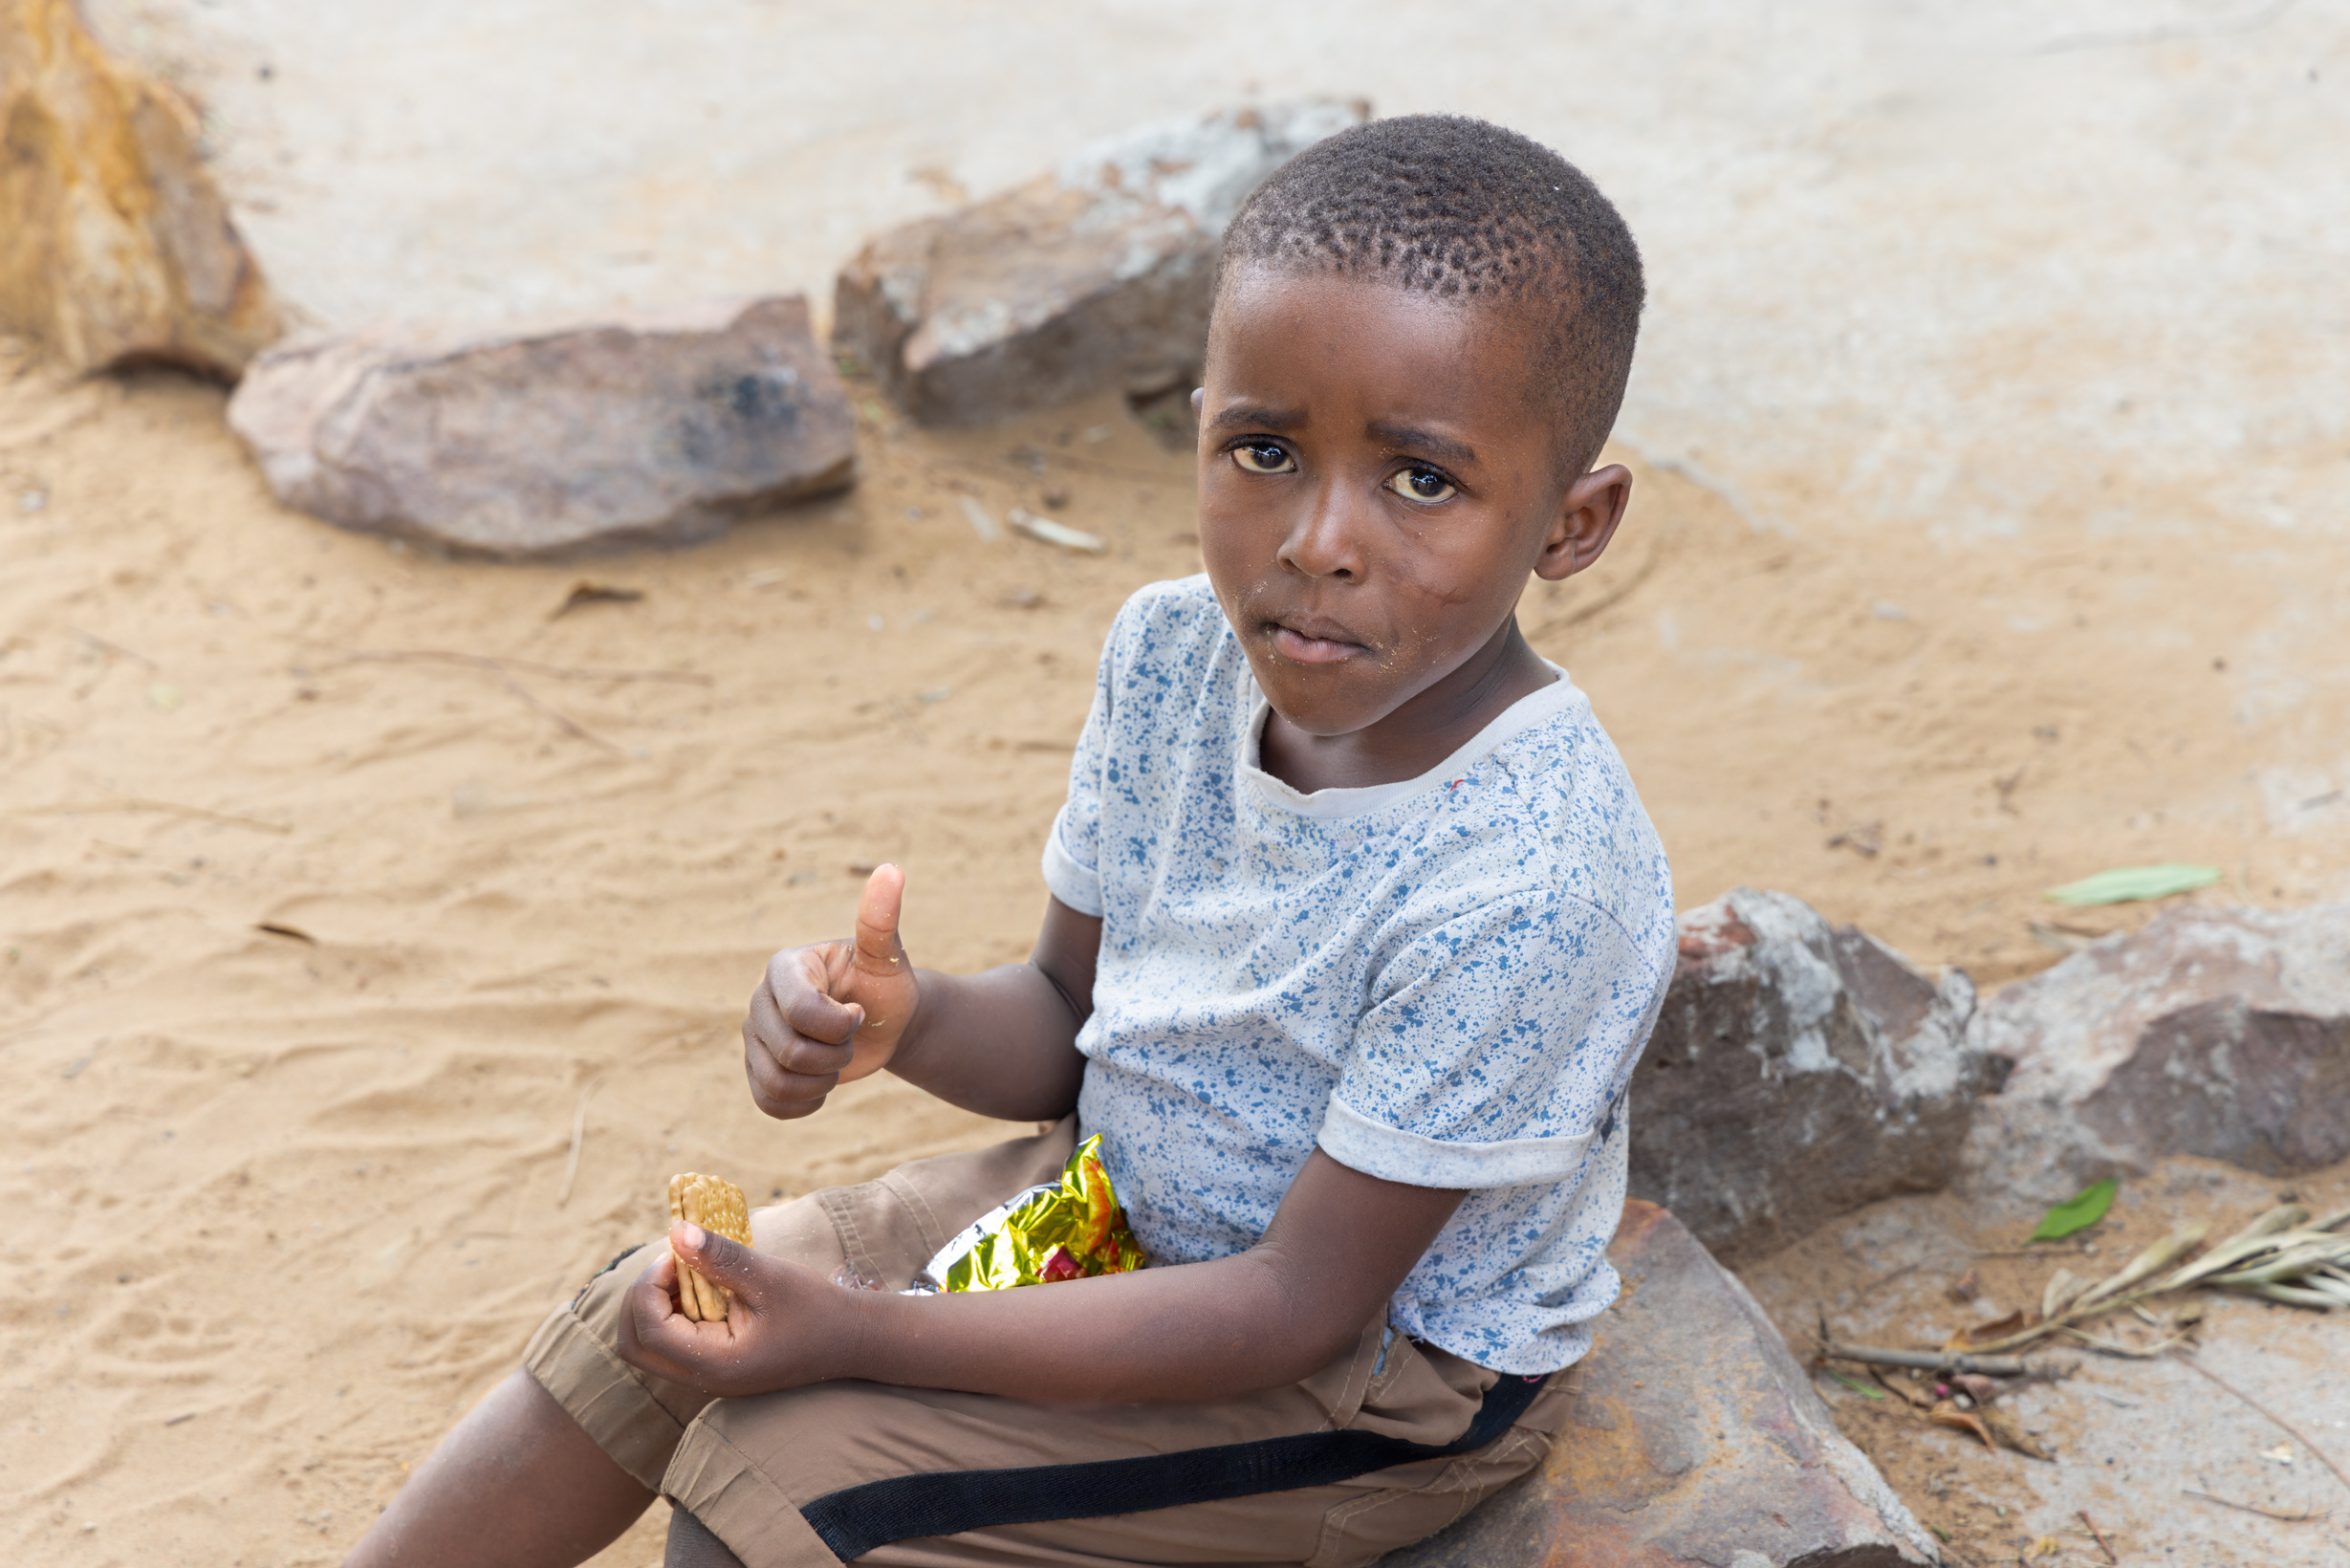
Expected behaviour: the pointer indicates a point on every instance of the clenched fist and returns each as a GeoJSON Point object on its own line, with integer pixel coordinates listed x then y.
{"type": "Point", "coordinates": [832, 1013]}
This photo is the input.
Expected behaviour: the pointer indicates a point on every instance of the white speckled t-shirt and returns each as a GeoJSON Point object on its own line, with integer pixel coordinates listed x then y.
{"type": "Point", "coordinates": [1443, 981]}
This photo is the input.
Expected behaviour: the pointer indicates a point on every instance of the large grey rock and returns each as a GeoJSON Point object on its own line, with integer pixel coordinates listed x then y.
{"type": "Point", "coordinates": [2222, 1033]}
{"type": "Point", "coordinates": [1798, 1071]}
{"type": "Point", "coordinates": [1095, 275]}
{"type": "Point", "coordinates": [646, 427]}
{"type": "Point", "coordinates": [1696, 1440]}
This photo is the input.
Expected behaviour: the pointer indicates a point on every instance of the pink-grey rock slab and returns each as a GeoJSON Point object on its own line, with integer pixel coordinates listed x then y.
{"type": "Point", "coordinates": [2216, 1032]}
{"type": "Point", "coordinates": [1095, 275]}
{"type": "Point", "coordinates": [1695, 1439]}
{"type": "Point", "coordinates": [641, 428]}
{"type": "Point", "coordinates": [1798, 1071]}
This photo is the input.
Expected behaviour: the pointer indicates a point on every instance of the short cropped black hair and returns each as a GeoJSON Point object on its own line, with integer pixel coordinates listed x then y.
{"type": "Point", "coordinates": [1465, 209]}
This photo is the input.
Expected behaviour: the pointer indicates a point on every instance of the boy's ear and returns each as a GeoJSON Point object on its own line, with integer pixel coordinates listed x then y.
{"type": "Point", "coordinates": [1586, 521]}
{"type": "Point", "coordinates": [1199, 401]}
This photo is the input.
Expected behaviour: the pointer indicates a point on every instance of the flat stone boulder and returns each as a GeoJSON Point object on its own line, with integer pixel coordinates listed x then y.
{"type": "Point", "coordinates": [643, 428]}
{"type": "Point", "coordinates": [1095, 275]}
{"type": "Point", "coordinates": [2216, 1031]}
{"type": "Point", "coordinates": [115, 247]}
{"type": "Point", "coordinates": [1696, 1439]}
{"type": "Point", "coordinates": [1798, 1071]}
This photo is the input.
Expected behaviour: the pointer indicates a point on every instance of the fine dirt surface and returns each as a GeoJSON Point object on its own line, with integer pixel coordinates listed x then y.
{"type": "Point", "coordinates": [319, 932]}
{"type": "Point", "coordinates": [2132, 1436]}
{"type": "Point", "coordinates": [1989, 533]}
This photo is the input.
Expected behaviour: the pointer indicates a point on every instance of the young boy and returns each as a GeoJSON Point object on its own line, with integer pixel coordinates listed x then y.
{"type": "Point", "coordinates": [1356, 927]}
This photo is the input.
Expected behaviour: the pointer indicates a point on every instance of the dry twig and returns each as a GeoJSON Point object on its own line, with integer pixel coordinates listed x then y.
{"type": "Point", "coordinates": [169, 808]}
{"type": "Point", "coordinates": [2303, 1517]}
{"type": "Point", "coordinates": [2110, 1347]}
{"type": "Point", "coordinates": [2099, 1535]}
{"type": "Point", "coordinates": [1926, 1361]}
{"type": "Point", "coordinates": [106, 645]}
{"type": "Point", "coordinates": [499, 669]}
{"type": "Point", "coordinates": [531, 666]}
{"type": "Point", "coordinates": [578, 1135]}
{"type": "Point", "coordinates": [1888, 1277]}
{"type": "Point", "coordinates": [2266, 1257]}
{"type": "Point", "coordinates": [2280, 1423]}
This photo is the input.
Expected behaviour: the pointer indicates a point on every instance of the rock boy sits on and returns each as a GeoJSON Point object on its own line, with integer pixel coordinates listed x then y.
{"type": "Point", "coordinates": [1356, 927]}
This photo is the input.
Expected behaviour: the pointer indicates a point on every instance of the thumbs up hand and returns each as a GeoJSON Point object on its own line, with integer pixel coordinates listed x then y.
{"type": "Point", "coordinates": [833, 1012]}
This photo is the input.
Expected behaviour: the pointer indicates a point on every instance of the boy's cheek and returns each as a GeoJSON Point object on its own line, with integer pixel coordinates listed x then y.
{"type": "Point", "coordinates": [1234, 562]}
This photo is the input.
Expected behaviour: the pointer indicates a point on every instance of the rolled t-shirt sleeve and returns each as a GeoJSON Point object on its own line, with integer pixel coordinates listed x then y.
{"type": "Point", "coordinates": [1496, 1047]}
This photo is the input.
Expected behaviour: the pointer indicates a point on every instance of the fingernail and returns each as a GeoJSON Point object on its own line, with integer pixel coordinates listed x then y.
{"type": "Point", "coordinates": [695, 1238]}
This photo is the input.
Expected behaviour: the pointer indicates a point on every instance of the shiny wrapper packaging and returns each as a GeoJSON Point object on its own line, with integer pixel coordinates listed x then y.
{"type": "Point", "coordinates": [1070, 1230]}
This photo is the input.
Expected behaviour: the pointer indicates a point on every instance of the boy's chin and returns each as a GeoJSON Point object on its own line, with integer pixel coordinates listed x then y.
{"type": "Point", "coordinates": [1322, 701]}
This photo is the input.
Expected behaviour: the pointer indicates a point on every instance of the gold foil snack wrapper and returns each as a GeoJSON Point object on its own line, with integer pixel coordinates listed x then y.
{"type": "Point", "coordinates": [717, 1205]}
{"type": "Point", "coordinates": [1074, 1229]}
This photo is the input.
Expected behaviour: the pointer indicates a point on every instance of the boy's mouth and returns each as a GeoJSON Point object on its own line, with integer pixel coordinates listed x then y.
{"type": "Point", "coordinates": [1309, 639]}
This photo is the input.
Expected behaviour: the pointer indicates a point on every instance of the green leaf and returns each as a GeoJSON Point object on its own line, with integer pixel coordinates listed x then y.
{"type": "Point", "coordinates": [2078, 1213]}
{"type": "Point", "coordinates": [1854, 1384]}
{"type": "Point", "coordinates": [2132, 883]}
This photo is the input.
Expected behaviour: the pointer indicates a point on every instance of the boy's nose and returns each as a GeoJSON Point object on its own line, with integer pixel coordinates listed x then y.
{"type": "Point", "coordinates": [1326, 539]}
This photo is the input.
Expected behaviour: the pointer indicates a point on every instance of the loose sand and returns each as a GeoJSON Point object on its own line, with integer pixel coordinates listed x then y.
{"type": "Point", "coordinates": [1994, 536]}
{"type": "Point", "coordinates": [318, 931]}
{"type": "Point", "coordinates": [2132, 1435]}
{"type": "Point", "coordinates": [1991, 532]}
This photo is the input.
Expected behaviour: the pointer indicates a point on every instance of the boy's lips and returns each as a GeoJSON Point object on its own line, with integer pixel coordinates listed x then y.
{"type": "Point", "coordinates": [1309, 639]}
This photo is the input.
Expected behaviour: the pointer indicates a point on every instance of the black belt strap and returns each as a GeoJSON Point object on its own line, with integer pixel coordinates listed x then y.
{"type": "Point", "coordinates": [856, 1520]}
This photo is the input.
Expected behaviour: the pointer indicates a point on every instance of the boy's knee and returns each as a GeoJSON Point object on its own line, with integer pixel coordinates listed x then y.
{"type": "Point", "coordinates": [691, 1545]}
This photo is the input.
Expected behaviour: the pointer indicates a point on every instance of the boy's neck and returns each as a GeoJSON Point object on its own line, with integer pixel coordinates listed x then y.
{"type": "Point", "coordinates": [1416, 736]}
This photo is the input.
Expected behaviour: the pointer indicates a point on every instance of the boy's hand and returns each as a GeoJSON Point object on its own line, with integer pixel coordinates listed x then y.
{"type": "Point", "coordinates": [785, 1327]}
{"type": "Point", "coordinates": [832, 1013]}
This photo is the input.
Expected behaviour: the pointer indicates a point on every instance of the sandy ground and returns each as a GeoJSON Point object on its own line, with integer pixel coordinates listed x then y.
{"type": "Point", "coordinates": [2131, 1436]}
{"type": "Point", "coordinates": [1989, 533]}
{"type": "Point", "coordinates": [281, 1203]}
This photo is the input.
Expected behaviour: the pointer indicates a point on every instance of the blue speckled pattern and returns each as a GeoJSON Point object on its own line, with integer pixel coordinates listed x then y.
{"type": "Point", "coordinates": [1443, 982]}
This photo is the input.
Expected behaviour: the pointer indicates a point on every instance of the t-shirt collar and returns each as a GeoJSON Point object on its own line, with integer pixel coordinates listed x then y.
{"type": "Point", "coordinates": [1520, 716]}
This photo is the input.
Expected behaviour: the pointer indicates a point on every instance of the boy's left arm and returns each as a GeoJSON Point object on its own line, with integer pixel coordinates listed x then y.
{"type": "Point", "coordinates": [1338, 1247]}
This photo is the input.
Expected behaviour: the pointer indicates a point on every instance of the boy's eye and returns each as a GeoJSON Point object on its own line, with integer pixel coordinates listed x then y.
{"type": "Point", "coordinates": [1422, 485]}
{"type": "Point", "coordinates": [1263, 457]}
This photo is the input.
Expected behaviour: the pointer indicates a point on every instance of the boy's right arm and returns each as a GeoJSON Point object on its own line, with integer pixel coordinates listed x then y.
{"type": "Point", "coordinates": [1002, 1042]}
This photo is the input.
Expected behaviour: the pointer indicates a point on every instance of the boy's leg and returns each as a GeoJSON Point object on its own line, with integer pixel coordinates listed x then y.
{"type": "Point", "coordinates": [691, 1545]}
{"type": "Point", "coordinates": [516, 1483]}
{"type": "Point", "coordinates": [590, 1437]}
{"type": "Point", "coordinates": [851, 1471]}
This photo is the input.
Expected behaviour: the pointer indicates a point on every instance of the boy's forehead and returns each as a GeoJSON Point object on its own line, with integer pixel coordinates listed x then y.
{"type": "Point", "coordinates": [1262, 310]}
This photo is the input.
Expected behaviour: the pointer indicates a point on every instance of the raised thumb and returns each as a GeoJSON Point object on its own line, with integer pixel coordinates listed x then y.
{"type": "Point", "coordinates": [877, 951]}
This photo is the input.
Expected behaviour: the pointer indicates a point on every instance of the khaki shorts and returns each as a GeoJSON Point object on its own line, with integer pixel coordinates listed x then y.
{"type": "Point", "coordinates": [765, 1473]}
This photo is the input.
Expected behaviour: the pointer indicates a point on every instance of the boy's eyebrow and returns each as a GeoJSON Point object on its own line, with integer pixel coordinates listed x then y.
{"type": "Point", "coordinates": [1262, 416]}
{"type": "Point", "coordinates": [1423, 441]}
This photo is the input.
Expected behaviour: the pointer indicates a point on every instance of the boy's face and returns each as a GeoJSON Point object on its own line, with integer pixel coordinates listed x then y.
{"type": "Point", "coordinates": [1377, 479]}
